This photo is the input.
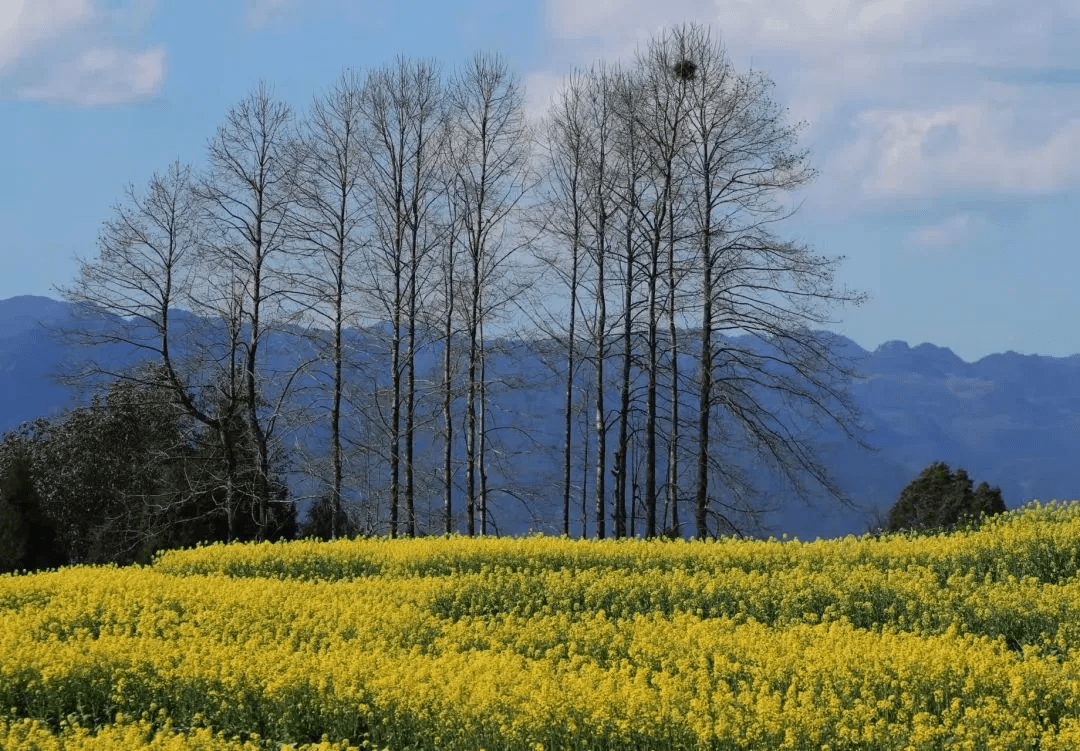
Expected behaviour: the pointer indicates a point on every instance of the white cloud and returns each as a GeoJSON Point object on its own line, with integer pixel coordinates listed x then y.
{"type": "Point", "coordinates": [540, 90]}
{"type": "Point", "coordinates": [973, 146]}
{"type": "Point", "coordinates": [67, 51]}
{"type": "Point", "coordinates": [899, 93]}
{"type": "Point", "coordinates": [26, 24]}
{"type": "Point", "coordinates": [102, 77]}
{"type": "Point", "coordinates": [267, 12]}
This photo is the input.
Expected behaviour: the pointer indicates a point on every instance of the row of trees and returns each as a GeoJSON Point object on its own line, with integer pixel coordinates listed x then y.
{"type": "Point", "coordinates": [633, 227]}
{"type": "Point", "coordinates": [662, 185]}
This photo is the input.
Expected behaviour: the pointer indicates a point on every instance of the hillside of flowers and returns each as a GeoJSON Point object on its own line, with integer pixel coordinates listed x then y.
{"type": "Point", "coordinates": [968, 640]}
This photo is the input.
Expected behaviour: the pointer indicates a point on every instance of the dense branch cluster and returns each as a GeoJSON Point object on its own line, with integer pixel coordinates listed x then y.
{"type": "Point", "coordinates": [632, 228]}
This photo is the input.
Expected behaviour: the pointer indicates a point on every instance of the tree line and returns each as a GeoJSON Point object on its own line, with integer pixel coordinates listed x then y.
{"type": "Point", "coordinates": [632, 228]}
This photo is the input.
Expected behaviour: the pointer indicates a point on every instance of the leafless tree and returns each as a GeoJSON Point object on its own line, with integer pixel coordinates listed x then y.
{"type": "Point", "coordinates": [741, 157]}
{"type": "Point", "coordinates": [249, 192]}
{"type": "Point", "coordinates": [137, 289]}
{"type": "Point", "coordinates": [143, 272]}
{"type": "Point", "coordinates": [329, 224]}
{"type": "Point", "coordinates": [661, 115]}
{"type": "Point", "coordinates": [489, 148]}
{"type": "Point", "coordinates": [566, 143]}
{"type": "Point", "coordinates": [141, 280]}
{"type": "Point", "coordinates": [699, 154]}
{"type": "Point", "coordinates": [581, 202]}
{"type": "Point", "coordinates": [631, 165]}
{"type": "Point", "coordinates": [404, 106]}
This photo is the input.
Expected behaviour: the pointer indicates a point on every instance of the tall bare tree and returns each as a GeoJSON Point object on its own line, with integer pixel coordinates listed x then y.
{"type": "Point", "coordinates": [700, 155]}
{"type": "Point", "coordinates": [448, 283]}
{"type": "Point", "coordinates": [329, 224]}
{"type": "Point", "coordinates": [632, 169]}
{"type": "Point", "coordinates": [405, 110]}
{"type": "Point", "coordinates": [490, 151]}
{"type": "Point", "coordinates": [661, 114]}
{"type": "Point", "coordinates": [142, 279]}
{"type": "Point", "coordinates": [145, 276]}
{"type": "Point", "coordinates": [741, 157]}
{"type": "Point", "coordinates": [580, 167]}
{"type": "Point", "coordinates": [566, 143]}
{"type": "Point", "coordinates": [249, 190]}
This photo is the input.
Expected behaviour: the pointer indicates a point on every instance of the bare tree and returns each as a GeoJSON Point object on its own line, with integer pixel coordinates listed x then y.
{"type": "Point", "coordinates": [329, 223]}
{"type": "Point", "coordinates": [142, 279]}
{"type": "Point", "coordinates": [581, 200]}
{"type": "Point", "coordinates": [740, 158]}
{"type": "Point", "coordinates": [602, 205]}
{"type": "Point", "coordinates": [661, 115]}
{"type": "Point", "coordinates": [249, 191]}
{"type": "Point", "coordinates": [566, 144]}
{"type": "Point", "coordinates": [631, 168]}
{"type": "Point", "coordinates": [448, 284]}
{"type": "Point", "coordinates": [404, 106]}
{"type": "Point", "coordinates": [698, 153]}
{"type": "Point", "coordinates": [143, 272]}
{"type": "Point", "coordinates": [490, 162]}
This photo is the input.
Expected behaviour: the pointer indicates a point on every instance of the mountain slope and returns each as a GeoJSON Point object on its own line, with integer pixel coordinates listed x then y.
{"type": "Point", "coordinates": [1012, 420]}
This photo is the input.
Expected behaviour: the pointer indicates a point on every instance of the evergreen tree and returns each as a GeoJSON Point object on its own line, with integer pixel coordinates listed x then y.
{"type": "Point", "coordinates": [941, 499]}
{"type": "Point", "coordinates": [27, 537]}
{"type": "Point", "coordinates": [125, 476]}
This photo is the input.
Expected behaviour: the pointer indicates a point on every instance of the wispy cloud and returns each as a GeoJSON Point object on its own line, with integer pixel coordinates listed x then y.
{"type": "Point", "coordinates": [102, 77]}
{"type": "Point", "coordinates": [975, 145]}
{"type": "Point", "coordinates": [270, 12]}
{"type": "Point", "coordinates": [66, 51]}
{"type": "Point", "coordinates": [263, 12]}
{"type": "Point", "coordinates": [950, 231]}
{"type": "Point", "coordinates": [26, 24]}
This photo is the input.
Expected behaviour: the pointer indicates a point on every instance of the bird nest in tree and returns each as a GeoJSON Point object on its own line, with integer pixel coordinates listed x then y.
{"type": "Point", "coordinates": [685, 70]}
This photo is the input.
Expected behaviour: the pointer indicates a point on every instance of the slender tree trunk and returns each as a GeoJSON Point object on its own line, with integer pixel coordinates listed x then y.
{"type": "Point", "coordinates": [585, 480]}
{"type": "Point", "coordinates": [230, 474]}
{"type": "Point", "coordinates": [701, 493]}
{"type": "Point", "coordinates": [481, 455]}
{"type": "Point", "coordinates": [410, 401]}
{"type": "Point", "coordinates": [252, 404]}
{"type": "Point", "coordinates": [673, 335]}
{"type": "Point", "coordinates": [335, 417]}
{"type": "Point", "coordinates": [395, 413]}
{"type": "Point", "coordinates": [622, 453]}
{"type": "Point", "coordinates": [701, 490]}
{"type": "Point", "coordinates": [448, 425]}
{"type": "Point", "coordinates": [650, 400]}
{"type": "Point", "coordinates": [569, 406]}
{"type": "Point", "coordinates": [600, 419]}
{"type": "Point", "coordinates": [470, 407]}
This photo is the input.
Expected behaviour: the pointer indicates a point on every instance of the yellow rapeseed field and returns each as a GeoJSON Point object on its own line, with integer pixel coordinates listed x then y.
{"type": "Point", "coordinates": [961, 641]}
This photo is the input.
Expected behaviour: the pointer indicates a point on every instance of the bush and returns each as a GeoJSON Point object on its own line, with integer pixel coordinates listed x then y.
{"type": "Point", "coordinates": [941, 499]}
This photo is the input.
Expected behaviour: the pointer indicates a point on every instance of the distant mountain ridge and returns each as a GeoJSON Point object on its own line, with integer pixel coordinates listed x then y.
{"type": "Point", "coordinates": [1009, 419]}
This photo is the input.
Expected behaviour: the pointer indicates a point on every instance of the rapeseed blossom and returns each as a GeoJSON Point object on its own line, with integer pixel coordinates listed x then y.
{"type": "Point", "coordinates": [956, 641]}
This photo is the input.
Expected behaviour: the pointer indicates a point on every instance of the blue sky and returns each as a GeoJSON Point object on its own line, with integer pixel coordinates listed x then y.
{"type": "Point", "coordinates": [946, 134]}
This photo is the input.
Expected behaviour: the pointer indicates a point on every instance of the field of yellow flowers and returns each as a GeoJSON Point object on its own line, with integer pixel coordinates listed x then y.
{"type": "Point", "coordinates": [962, 641]}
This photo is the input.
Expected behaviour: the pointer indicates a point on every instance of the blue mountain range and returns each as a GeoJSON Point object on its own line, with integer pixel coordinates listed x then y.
{"type": "Point", "coordinates": [1009, 419]}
